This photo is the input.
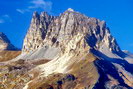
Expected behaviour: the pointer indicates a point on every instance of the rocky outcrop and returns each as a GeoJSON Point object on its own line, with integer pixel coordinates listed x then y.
{"type": "Point", "coordinates": [37, 31]}
{"type": "Point", "coordinates": [5, 43]}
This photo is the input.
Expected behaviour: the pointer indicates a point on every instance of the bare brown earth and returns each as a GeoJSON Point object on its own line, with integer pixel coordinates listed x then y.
{"type": "Point", "coordinates": [82, 74]}
{"type": "Point", "coordinates": [16, 75]}
{"type": "Point", "coordinates": [8, 55]}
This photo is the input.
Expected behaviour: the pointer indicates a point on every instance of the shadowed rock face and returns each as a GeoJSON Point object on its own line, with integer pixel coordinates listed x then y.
{"type": "Point", "coordinates": [5, 44]}
{"type": "Point", "coordinates": [7, 50]}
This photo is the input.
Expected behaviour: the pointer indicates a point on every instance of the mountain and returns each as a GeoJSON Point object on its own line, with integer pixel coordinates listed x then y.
{"type": "Point", "coordinates": [64, 28]}
{"type": "Point", "coordinates": [7, 50]}
{"type": "Point", "coordinates": [70, 51]}
{"type": "Point", "coordinates": [5, 44]}
{"type": "Point", "coordinates": [37, 31]}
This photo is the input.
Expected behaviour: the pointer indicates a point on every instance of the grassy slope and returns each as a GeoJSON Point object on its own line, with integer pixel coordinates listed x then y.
{"type": "Point", "coordinates": [82, 74]}
{"type": "Point", "coordinates": [17, 74]}
{"type": "Point", "coordinates": [8, 55]}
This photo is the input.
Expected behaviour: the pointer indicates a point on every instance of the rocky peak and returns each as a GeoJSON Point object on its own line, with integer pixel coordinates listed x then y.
{"type": "Point", "coordinates": [70, 9]}
{"type": "Point", "coordinates": [73, 24]}
{"type": "Point", "coordinates": [35, 18]}
{"type": "Point", "coordinates": [5, 43]}
{"type": "Point", "coordinates": [70, 26]}
{"type": "Point", "coordinates": [35, 14]}
{"type": "Point", "coordinates": [37, 31]}
{"type": "Point", "coordinates": [4, 38]}
{"type": "Point", "coordinates": [72, 36]}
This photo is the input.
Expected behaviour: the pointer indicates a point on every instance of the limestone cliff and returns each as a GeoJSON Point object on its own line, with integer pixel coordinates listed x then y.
{"type": "Point", "coordinates": [37, 31]}
{"type": "Point", "coordinates": [65, 33]}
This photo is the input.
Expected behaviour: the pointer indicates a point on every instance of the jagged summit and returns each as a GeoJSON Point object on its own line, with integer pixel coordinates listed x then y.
{"type": "Point", "coordinates": [5, 43]}
{"type": "Point", "coordinates": [4, 38]}
{"type": "Point", "coordinates": [47, 30]}
{"type": "Point", "coordinates": [35, 14]}
{"type": "Point", "coordinates": [70, 9]}
{"type": "Point", "coordinates": [37, 31]}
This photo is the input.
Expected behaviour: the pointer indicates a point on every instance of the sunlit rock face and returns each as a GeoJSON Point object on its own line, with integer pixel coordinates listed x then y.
{"type": "Point", "coordinates": [5, 43]}
{"type": "Point", "coordinates": [71, 24]}
{"type": "Point", "coordinates": [37, 31]}
{"type": "Point", "coordinates": [55, 33]}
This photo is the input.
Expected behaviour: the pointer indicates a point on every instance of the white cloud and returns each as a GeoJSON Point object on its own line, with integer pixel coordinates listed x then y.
{"type": "Point", "coordinates": [131, 44]}
{"type": "Point", "coordinates": [1, 21]}
{"type": "Point", "coordinates": [5, 18]}
{"type": "Point", "coordinates": [45, 5]}
{"type": "Point", "coordinates": [37, 4]}
{"type": "Point", "coordinates": [20, 11]}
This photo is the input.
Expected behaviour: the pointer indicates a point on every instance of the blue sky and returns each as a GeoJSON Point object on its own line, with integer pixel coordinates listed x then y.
{"type": "Point", "coordinates": [15, 16]}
